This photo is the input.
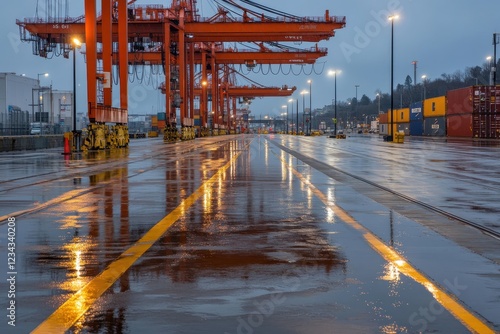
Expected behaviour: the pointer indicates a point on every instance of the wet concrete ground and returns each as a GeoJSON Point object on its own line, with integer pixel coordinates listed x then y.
{"type": "Point", "coordinates": [255, 249]}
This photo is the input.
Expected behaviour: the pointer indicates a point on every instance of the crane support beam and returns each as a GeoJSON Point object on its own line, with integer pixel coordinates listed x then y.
{"type": "Point", "coordinates": [201, 31]}
{"type": "Point", "coordinates": [248, 91]}
{"type": "Point", "coordinates": [229, 57]}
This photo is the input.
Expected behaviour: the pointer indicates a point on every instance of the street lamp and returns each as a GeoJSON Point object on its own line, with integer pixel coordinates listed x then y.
{"type": "Point", "coordinates": [39, 74]}
{"type": "Point", "coordinates": [356, 108]}
{"type": "Point", "coordinates": [334, 73]}
{"type": "Point", "coordinates": [283, 114]}
{"type": "Point", "coordinates": [203, 102]}
{"type": "Point", "coordinates": [378, 95]}
{"type": "Point", "coordinates": [39, 97]}
{"type": "Point", "coordinates": [303, 93]}
{"type": "Point", "coordinates": [392, 18]}
{"type": "Point", "coordinates": [310, 106]}
{"type": "Point", "coordinates": [489, 58]}
{"type": "Point", "coordinates": [291, 101]}
{"type": "Point", "coordinates": [423, 83]}
{"type": "Point", "coordinates": [76, 44]}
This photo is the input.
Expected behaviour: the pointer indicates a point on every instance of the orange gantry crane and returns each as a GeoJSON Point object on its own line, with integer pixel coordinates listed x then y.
{"type": "Point", "coordinates": [178, 39]}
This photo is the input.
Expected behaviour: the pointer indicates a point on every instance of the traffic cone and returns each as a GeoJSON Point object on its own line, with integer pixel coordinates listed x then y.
{"type": "Point", "coordinates": [67, 150]}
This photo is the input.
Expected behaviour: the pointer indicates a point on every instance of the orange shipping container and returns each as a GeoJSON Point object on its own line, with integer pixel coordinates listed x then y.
{"type": "Point", "coordinates": [154, 120]}
{"type": "Point", "coordinates": [383, 119]}
{"type": "Point", "coordinates": [435, 107]}
{"type": "Point", "coordinates": [161, 124]}
{"type": "Point", "coordinates": [389, 115]}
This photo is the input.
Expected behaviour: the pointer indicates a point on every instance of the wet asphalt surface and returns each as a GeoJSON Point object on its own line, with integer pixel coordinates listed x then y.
{"type": "Point", "coordinates": [258, 252]}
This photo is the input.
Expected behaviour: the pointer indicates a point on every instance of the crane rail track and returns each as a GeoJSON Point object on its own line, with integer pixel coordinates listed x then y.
{"type": "Point", "coordinates": [191, 149]}
{"type": "Point", "coordinates": [486, 230]}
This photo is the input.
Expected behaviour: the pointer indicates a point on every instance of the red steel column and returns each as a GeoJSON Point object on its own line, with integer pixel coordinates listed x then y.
{"type": "Point", "coordinates": [168, 75]}
{"type": "Point", "coordinates": [107, 49]}
{"type": "Point", "coordinates": [182, 67]}
{"type": "Point", "coordinates": [123, 58]}
{"type": "Point", "coordinates": [91, 50]}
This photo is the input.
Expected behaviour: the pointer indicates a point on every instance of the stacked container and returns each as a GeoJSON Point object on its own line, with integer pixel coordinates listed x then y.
{"type": "Point", "coordinates": [383, 124]}
{"type": "Point", "coordinates": [154, 123]}
{"type": "Point", "coordinates": [435, 116]}
{"type": "Point", "coordinates": [161, 121]}
{"type": "Point", "coordinates": [474, 112]}
{"type": "Point", "coordinates": [402, 120]}
{"type": "Point", "coordinates": [416, 119]}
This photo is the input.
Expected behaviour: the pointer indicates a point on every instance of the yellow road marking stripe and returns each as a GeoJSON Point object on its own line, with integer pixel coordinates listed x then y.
{"type": "Point", "coordinates": [76, 306]}
{"type": "Point", "coordinates": [447, 300]}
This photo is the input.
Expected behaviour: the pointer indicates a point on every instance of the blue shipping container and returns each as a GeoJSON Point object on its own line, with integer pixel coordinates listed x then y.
{"type": "Point", "coordinates": [161, 116]}
{"type": "Point", "coordinates": [416, 111]}
{"type": "Point", "coordinates": [416, 128]}
{"type": "Point", "coordinates": [435, 126]}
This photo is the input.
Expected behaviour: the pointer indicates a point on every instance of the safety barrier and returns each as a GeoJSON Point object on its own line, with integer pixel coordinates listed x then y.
{"type": "Point", "coordinates": [22, 143]}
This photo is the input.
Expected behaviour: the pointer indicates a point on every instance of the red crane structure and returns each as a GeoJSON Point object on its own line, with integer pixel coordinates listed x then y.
{"type": "Point", "coordinates": [192, 52]}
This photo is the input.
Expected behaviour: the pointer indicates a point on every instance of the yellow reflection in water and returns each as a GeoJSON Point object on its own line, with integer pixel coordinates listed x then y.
{"type": "Point", "coordinates": [391, 273]}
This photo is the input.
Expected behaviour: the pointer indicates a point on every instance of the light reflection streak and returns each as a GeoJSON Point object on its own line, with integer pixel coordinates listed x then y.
{"type": "Point", "coordinates": [391, 273]}
{"type": "Point", "coordinates": [283, 168]}
{"type": "Point", "coordinates": [447, 300]}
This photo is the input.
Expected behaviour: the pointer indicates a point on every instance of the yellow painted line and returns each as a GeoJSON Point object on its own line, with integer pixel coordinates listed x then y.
{"type": "Point", "coordinates": [447, 300]}
{"type": "Point", "coordinates": [76, 306]}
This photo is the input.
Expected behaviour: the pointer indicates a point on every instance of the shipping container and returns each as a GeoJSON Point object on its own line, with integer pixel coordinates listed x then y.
{"type": "Point", "coordinates": [404, 127]}
{"type": "Point", "coordinates": [459, 101]}
{"type": "Point", "coordinates": [154, 120]}
{"type": "Point", "coordinates": [474, 99]}
{"type": "Point", "coordinates": [435, 107]}
{"type": "Point", "coordinates": [383, 119]}
{"type": "Point", "coordinates": [402, 115]}
{"type": "Point", "coordinates": [417, 127]}
{"type": "Point", "coordinates": [416, 111]}
{"type": "Point", "coordinates": [161, 124]}
{"type": "Point", "coordinates": [486, 99]}
{"type": "Point", "coordinates": [486, 125]}
{"type": "Point", "coordinates": [459, 125]}
{"type": "Point", "coordinates": [435, 126]}
{"type": "Point", "coordinates": [383, 128]}
{"type": "Point", "coordinates": [161, 116]}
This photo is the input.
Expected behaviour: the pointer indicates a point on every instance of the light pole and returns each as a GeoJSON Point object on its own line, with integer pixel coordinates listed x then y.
{"type": "Point", "coordinates": [334, 73]}
{"type": "Point", "coordinates": [76, 44]}
{"type": "Point", "coordinates": [378, 95]}
{"type": "Point", "coordinates": [489, 58]}
{"type": "Point", "coordinates": [392, 18]}
{"type": "Point", "coordinates": [39, 99]}
{"type": "Point", "coordinates": [283, 114]}
{"type": "Point", "coordinates": [291, 101]}
{"type": "Point", "coordinates": [494, 68]}
{"type": "Point", "coordinates": [310, 106]}
{"type": "Point", "coordinates": [423, 83]}
{"type": "Point", "coordinates": [303, 93]}
{"type": "Point", "coordinates": [297, 124]}
{"type": "Point", "coordinates": [356, 109]}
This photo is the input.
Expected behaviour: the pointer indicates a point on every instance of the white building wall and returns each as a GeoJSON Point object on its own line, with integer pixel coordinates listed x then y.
{"type": "Point", "coordinates": [16, 90]}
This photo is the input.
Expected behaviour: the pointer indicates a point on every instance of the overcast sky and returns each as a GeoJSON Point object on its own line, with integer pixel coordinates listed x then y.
{"type": "Point", "coordinates": [443, 36]}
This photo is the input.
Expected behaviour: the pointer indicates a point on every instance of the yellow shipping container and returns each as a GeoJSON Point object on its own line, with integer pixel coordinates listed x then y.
{"type": "Point", "coordinates": [435, 106]}
{"type": "Point", "coordinates": [154, 120]}
{"type": "Point", "coordinates": [402, 115]}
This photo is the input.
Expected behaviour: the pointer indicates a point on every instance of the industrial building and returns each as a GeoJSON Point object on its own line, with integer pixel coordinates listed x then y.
{"type": "Point", "coordinates": [24, 101]}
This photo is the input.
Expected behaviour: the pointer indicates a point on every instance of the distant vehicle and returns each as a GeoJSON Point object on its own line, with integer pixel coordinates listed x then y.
{"type": "Point", "coordinates": [39, 128]}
